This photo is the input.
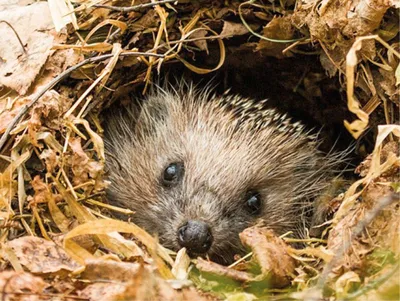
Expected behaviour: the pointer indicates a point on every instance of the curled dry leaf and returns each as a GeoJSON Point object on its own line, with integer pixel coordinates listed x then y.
{"type": "Point", "coordinates": [42, 191]}
{"type": "Point", "coordinates": [117, 243]}
{"type": "Point", "coordinates": [83, 167]}
{"type": "Point", "coordinates": [344, 284]}
{"type": "Point", "coordinates": [21, 286]}
{"type": "Point", "coordinates": [181, 265]}
{"type": "Point", "coordinates": [50, 158]}
{"type": "Point", "coordinates": [269, 252]}
{"type": "Point", "coordinates": [382, 232]}
{"type": "Point", "coordinates": [46, 112]}
{"type": "Point", "coordinates": [41, 256]}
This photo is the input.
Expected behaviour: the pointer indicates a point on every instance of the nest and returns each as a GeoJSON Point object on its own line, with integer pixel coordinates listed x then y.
{"type": "Point", "coordinates": [63, 63]}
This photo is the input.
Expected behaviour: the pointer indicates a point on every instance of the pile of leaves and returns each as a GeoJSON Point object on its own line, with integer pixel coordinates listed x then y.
{"type": "Point", "coordinates": [63, 62]}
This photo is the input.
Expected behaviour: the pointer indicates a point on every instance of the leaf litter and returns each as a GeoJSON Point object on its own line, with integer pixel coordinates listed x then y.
{"type": "Point", "coordinates": [62, 63]}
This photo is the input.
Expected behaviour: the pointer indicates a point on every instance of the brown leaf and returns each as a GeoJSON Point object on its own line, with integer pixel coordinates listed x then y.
{"type": "Point", "coordinates": [150, 19]}
{"type": "Point", "coordinates": [42, 191]}
{"type": "Point", "coordinates": [9, 109]}
{"type": "Point", "coordinates": [30, 287]}
{"type": "Point", "coordinates": [279, 29]}
{"type": "Point", "coordinates": [271, 254]}
{"type": "Point", "coordinates": [129, 281]}
{"type": "Point", "coordinates": [82, 166]}
{"type": "Point", "coordinates": [39, 255]}
{"type": "Point", "coordinates": [50, 158]}
{"type": "Point", "coordinates": [44, 113]}
{"type": "Point", "coordinates": [111, 270]}
{"type": "Point", "coordinates": [148, 286]}
{"type": "Point", "coordinates": [102, 291]}
{"type": "Point", "coordinates": [32, 23]}
{"type": "Point", "coordinates": [142, 287]}
{"type": "Point", "coordinates": [201, 44]}
{"type": "Point", "coordinates": [233, 29]}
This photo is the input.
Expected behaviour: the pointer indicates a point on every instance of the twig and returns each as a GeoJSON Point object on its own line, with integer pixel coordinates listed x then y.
{"type": "Point", "coordinates": [56, 80]}
{"type": "Point", "coordinates": [16, 34]}
{"type": "Point", "coordinates": [360, 227]}
{"type": "Point", "coordinates": [133, 8]}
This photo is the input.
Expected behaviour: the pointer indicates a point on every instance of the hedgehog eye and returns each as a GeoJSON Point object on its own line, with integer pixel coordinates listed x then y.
{"type": "Point", "coordinates": [253, 202]}
{"type": "Point", "coordinates": [172, 174]}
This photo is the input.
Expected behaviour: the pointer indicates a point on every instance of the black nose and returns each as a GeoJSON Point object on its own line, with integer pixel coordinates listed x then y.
{"type": "Point", "coordinates": [195, 236]}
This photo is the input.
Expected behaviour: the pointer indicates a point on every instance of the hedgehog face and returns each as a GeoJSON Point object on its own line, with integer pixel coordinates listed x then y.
{"type": "Point", "coordinates": [197, 173]}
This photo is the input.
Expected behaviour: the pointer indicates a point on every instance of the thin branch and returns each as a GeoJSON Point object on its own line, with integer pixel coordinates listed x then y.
{"type": "Point", "coordinates": [59, 78]}
{"type": "Point", "coordinates": [16, 34]}
{"type": "Point", "coordinates": [132, 8]}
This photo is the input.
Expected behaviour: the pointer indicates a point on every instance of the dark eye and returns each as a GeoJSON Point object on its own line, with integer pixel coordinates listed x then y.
{"type": "Point", "coordinates": [253, 202]}
{"type": "Point", "coordinates": [172, 174]}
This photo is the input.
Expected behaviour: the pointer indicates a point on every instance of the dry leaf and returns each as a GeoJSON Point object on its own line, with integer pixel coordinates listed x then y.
{"type": "Point", "coordinates": [83, 167]}
{"type": "Point", "coordinates": [271, 254]}
{"type": "Point", "coordinates": [344, 283]}
{"type": "Point", "coordinates": [279, 29]}
{"type": "Point", "coordinates": [29, 286]}
{"type": "Point", "coordinates": [102, 291]}
{"type": "Point", "coordinates": [147, 286]}
{"type": "Point", "coordinates": [150, 19]}
{"type": "Point", "coordinates": [201, 44]}
{"type": "Point", "coordinates": [50, 158]}
{"type": "Point", "coordinates": [62, 13]}
{"type": "Point", "coordinates": [100, 269]}
{"type": "Point", "coordinates": [111, 227]}
{"type": "Point", "coordinates": [39, 255]}
{"type": "Point", "coordinates": [143, 287]}
{"type": "Point", "coordinates": [42, 191]}
{"type": "Point", "coordinates": [181, 265]}
{"type": "Point", "coordinates": [32, 23]}
{"type": "Point", "coordinates": [233, 29]}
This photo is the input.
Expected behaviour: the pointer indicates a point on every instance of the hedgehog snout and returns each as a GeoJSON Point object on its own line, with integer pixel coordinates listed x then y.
{"type": "Point", "coordinates": [195, 236]}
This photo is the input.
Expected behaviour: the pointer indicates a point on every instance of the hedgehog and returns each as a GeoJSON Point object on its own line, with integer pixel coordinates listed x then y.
{"type": "Point", "coordinates": [197, 169]}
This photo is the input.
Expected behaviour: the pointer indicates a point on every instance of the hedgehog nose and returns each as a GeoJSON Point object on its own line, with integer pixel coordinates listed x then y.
{"type": "Point", "coordinates": [195, 236]}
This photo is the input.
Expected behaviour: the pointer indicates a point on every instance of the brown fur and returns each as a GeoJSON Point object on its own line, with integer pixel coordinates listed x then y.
{"type": "Point", "coordinates": [229, 145]}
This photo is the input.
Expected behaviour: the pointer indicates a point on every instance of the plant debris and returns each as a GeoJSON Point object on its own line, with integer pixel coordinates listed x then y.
{"type": "Point", "coordinates": [63, 63]}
